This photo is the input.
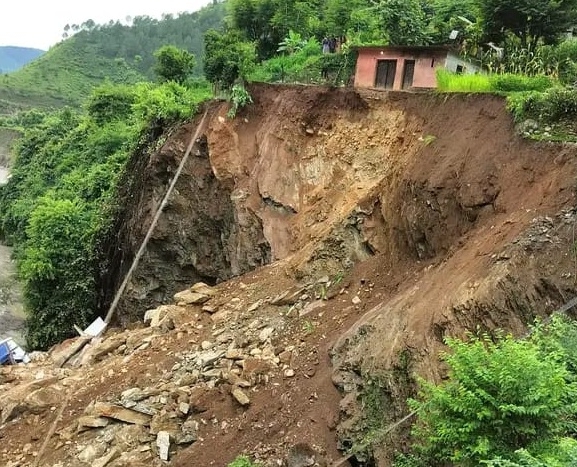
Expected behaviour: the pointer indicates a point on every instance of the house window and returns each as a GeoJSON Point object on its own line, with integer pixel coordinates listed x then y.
{"type": "Point", "coordinates": [460, 69]}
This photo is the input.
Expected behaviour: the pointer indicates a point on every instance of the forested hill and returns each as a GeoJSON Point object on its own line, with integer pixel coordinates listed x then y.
{"type": "Point", "coordinates": [118, 52]}
{"type": "Point", "coordinates": [12, 58]}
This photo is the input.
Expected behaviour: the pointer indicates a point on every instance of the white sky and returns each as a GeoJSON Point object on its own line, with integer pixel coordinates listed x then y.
{"type": "Point", "coordinates": [40, 23]}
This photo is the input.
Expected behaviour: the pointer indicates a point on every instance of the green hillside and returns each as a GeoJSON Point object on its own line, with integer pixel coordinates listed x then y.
{"type": "Point", "coordinates": [116, 52]}
{"type": "Point", "coordinates": [12, 58]}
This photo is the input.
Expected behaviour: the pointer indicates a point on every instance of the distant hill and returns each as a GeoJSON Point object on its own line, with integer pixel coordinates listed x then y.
{"type": "Point", "coordinates": [120, 53]}
{"type": "Point", "coordinates": [13, 58]}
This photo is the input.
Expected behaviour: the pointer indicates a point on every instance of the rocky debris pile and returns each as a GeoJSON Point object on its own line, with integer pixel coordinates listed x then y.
{"type": "Point", "coordinates": [244, 350]}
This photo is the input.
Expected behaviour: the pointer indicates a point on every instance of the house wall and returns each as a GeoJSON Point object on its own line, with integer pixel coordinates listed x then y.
{"type": "Point", "coordinates": [454, 60]}
{"type": "Point", "coordinates": [426, 62]}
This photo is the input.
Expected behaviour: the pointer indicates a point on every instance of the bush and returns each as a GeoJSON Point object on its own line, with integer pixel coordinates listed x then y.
{"type": "Point", "coordinates": [553, 105]}
{"type": "Point", "coordinates": [519, 83]}
{"type": "Point", "coordinates": [502, 395]}
{"type": "Point", "coordinates": [110, 102]}
{"type": "Point", "coordinates": [242, 461]}
{"type": "Point", "coordinates": [239, 98]}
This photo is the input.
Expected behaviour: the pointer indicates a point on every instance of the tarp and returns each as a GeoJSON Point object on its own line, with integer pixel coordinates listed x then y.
{"type": "Point", "coordinates": [11, 352]}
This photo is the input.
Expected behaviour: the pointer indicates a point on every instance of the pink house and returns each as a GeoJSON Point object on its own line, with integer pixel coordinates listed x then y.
{"type": "Point", "coordinates": [406, 67]}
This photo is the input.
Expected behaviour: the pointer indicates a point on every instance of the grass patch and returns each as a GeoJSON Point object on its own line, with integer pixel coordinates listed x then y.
{"type": "Point", "coordinates": [496, 83]}
{"type": "Point", "coordinates": [451, 82]}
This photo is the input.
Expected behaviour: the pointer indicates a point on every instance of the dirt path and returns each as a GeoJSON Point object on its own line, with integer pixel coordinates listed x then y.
{"type": "Point", "coordinates": [11, 314]}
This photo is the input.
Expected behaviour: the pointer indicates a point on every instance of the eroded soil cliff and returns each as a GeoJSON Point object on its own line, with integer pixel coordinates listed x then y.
{"type": "Point", "coordinates": [390, 220]}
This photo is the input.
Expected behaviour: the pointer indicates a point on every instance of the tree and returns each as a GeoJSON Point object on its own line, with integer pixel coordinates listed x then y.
{"type": "Point", "coordinates": [529, 20]}
{"type": "Point", "coordinates": [404, 21]}
{"type": "Point", "coordinates": [173, 64]}
{"type": "Point", "coordinates": [227, 57]}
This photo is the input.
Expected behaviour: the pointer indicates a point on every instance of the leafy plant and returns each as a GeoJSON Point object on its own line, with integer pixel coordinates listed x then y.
{"type": "Point", "coordinates": [292, 43]}
{"type": "Point", "coordinates": [242, 461]}
{"type": "Point", "coordinates": [239, 98]}
{"type": "Point", "coordinates": [502, 395]}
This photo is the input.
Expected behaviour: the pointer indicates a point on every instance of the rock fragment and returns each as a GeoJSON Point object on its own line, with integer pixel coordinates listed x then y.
{"type": "Point", "coordinates": [240, 397]}
{"type": "Point", "coordinates": [163, 444]}
{"type": "Point", "coordinates": [117, 412]}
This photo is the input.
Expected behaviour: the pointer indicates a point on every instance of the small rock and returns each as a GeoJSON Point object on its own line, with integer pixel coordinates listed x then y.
{"type": "Point", "coordinates": [356, 300]}
{"type": "Point", "coordinates": [191, 298]}
{"type": "Point", "coordinates": [92, 452]}
{"type": "Point", "coordinates": [209, 309]}
{"type": "Point", "coordinates": [240, 397]}
{"type": "Point", "coordinates": [234, 354]}
{"type": "Point", "coordinates": [289, 373]}
{"type": "Point", "coordinates": [203, 289]}
{"type": "Point", "coordinates": [88, 422]}
{"type": "Point", "coordinates": [107, 459]}
{"type": "Point", "coordinates": [163, 444]}
{"type": "Point", "coordinates": [184, 408]}
{"type": "Point", "coordinates": [206, 345]}
{"type": "Point", "coordinates": [265, 334]}
{"type": "Point", "coordinates": [116, 412]}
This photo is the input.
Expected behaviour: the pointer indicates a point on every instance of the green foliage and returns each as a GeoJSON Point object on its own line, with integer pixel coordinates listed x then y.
{"type": "Point", "coordinates": [239, 98]}
{"type": "Point", "coordinates": [242, 461]}
{"type": "Point", "coordinates": [227, 58]}
{"type": "Point", "coordinates": [121, 53]}
{"type": "Point", "coordinates": [307, 65]}
{"type": "Point", "coordinates": [60, 195]}
{"type": "Point", "coordinates": [292, 43]}
{"type": "Point", "coordinates": [167, 103]}
{"type": "Point", "coordinates": [502, 396]}
{"type": "Point", "coordinates": [553, 105]}
{"type": "Point", "coordinates": [404, 22]}
{"type": "Point", "coordinates": [173, 64]}
{"type": "Point", "coordinates": [519, 83]}
{"type": "Point", "coordinates": [528, 20]}
{"type": "Point", "coordinates": [110, 102]}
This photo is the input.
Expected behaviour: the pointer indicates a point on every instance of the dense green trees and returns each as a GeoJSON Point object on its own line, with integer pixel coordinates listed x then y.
{"type": "Point", "coordinates": [529, 20]}
{"type": "Point", "coordinates": [60, 196]}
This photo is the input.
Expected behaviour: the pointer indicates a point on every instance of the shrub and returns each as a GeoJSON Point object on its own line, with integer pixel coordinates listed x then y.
{"type": "Point", "coordinates": [239, 98]}
{"type": "Point", "coordinates": [242, 461]}
{"type": "Point", "coordinates": [173, 64]}
{"type": "Point", "coordinates": [553, 105]}
{"type": "Point", "coordinates": [110, 102]}
{"type": "Point", "coordinates": [502, 395]}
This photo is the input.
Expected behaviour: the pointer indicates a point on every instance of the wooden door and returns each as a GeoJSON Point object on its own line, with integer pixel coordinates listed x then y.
{"type": "Point", "coordinates": [408, 74]}
{"type": "Point", "coordinates": [386, 70]}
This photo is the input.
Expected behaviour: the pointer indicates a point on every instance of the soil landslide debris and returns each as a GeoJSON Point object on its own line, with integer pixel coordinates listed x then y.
{"type": "Point", "coordinates": [322, 240]}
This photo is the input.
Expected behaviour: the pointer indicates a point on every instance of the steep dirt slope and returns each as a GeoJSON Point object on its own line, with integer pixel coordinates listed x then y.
{"type": "Point", "coordinates": [391, 220]}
